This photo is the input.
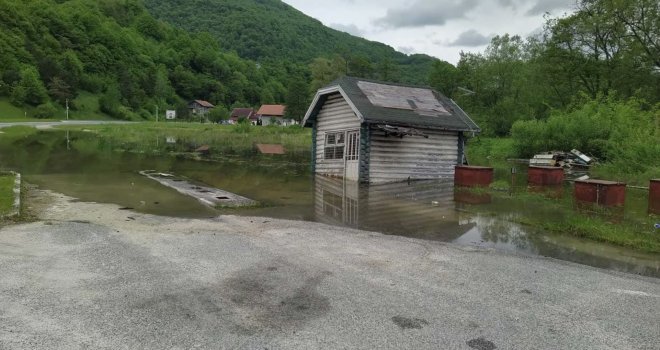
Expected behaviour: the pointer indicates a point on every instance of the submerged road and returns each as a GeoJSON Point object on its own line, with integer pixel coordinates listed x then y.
{"type": "Point", "coordinates": [61, 123]}
{"type": "Point", "coordinates": [94, 276]}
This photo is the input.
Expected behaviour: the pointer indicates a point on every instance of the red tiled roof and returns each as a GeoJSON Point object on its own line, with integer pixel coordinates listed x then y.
{"type": "Point", "coordinates": [205, 103]}
{"type": "Point", "coordinates": [275, 110]}
{"type": "Point", "coordinates": [242, 113]}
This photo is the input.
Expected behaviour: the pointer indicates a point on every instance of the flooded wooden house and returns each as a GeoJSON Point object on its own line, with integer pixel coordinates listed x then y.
{"type": "Point", "coordinates": [377, 132]}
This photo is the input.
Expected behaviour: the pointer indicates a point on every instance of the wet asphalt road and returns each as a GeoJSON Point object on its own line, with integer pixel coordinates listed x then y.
{"type": "Point", "coordinates": [94, 276]}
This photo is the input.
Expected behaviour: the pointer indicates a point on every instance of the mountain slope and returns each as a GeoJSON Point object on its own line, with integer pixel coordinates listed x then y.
{"type": "Point", "coordinates": [270, 30]}
{"type": "Point", "coordinates": [54, 50]}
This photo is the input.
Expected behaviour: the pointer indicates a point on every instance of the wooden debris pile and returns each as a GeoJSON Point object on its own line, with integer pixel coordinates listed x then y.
{"type": "Point", "coordinates": [572, 159]}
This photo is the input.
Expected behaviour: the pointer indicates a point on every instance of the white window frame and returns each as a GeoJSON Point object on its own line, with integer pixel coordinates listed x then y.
{"type": "Point", "coordinates": [352, 150]}
{"type": "Point", "coordinates": [335, 145]}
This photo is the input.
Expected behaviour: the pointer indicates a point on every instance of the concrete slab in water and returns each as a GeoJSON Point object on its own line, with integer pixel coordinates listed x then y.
{"type": "Point", "coordinates": [210, 196]}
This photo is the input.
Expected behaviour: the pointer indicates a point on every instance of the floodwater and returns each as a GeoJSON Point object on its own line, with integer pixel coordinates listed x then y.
{"type": "Point", "coordinates": [81, 166]}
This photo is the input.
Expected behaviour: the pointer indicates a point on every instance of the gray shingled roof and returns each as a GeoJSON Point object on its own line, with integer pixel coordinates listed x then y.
{"type": "Point", "coordinates": [434, 109]}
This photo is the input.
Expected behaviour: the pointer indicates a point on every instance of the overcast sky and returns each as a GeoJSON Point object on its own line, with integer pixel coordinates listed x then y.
{"type": "Point", "coordinates": [440, 28]}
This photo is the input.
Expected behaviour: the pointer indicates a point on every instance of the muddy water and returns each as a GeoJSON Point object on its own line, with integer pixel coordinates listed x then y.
{"type": "Point", "coordinates": [82, 167]}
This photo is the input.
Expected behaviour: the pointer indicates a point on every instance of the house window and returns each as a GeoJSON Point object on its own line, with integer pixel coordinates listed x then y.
{"type": "Point", "coordinates": [352, 150]}
{"type": "Point", "coordinates": [334, 145]}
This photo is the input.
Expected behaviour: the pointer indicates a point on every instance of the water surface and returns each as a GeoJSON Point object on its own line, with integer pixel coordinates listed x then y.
{"type": "Point", "coordinates": [82, 166]}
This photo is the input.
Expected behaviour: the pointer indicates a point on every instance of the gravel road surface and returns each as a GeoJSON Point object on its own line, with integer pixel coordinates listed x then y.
{"type": "Point", "coordinates": [94, 276]}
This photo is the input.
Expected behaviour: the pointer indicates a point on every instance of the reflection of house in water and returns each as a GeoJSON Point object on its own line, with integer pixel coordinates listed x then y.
{"type": "Point", "coordinates": [421, 209]}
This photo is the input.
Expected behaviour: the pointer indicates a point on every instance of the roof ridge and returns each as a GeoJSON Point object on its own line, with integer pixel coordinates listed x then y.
{"type": "Point", "coordinates": [376, 81]}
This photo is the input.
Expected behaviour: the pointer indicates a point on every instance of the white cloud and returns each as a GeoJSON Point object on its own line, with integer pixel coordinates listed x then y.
{"type": "Point", "coordinates": [543, 6]}
{"type": "Point", "coordinates": [470, 38]}
{"type": "Point", "coordinates": [432, 26]}
{"type": "Point", "coordinates": [347, 28]}
{"type": "Point", "coordinates": [425, 13]}
{"type": "Point", "coordinates": [408, 50]}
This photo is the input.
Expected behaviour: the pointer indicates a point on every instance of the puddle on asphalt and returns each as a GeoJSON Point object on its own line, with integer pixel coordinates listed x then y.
{"type": "Point", "coordinates": [90, 171]}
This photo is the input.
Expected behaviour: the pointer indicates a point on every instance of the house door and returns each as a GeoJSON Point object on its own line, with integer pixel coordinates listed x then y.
{"type": "Point", "coordinates": [352, 156]}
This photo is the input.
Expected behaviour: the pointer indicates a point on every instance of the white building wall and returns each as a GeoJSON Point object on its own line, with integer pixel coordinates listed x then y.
{"type": "Point", "coordinates": [335, 115]}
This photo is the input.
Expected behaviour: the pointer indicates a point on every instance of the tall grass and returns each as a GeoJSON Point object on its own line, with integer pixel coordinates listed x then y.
{"type": "Point", "coordinates": [489, 151]}
{"type": "Point", "coordinates": [560, 214]}
{"type": "Point", "coordinates": [223, 140]}
{"type": "Point", "coordinates": [6, 193]}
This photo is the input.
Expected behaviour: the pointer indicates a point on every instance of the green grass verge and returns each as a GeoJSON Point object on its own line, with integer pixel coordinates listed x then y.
{"type": "Point", "coordinates": [6, 194]}
{"type": "Point", "coordinates": [600, 230]}
{"type": "Point", "coordinates": [83, 107]}
{"type": "Point", "coordinates": [559, 215]}
{"type": "Point", "coordinates": [87, 108]}
{"type": "Point", "coordinates": [9, 112]}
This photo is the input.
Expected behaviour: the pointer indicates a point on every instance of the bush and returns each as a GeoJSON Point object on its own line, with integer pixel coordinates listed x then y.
{"type": "Point", "coordinates": [242, 128]}
{"type": "Point", "coordinates": [219, 113]}
{"type": "Point", "coordinates": [125, 113]}
{"type": "Point", "coordinates": [624, 133]}
{"type": "Point", "coordinates": [485, 150]}
{"type": "Point", "coordinates": [44, 111]}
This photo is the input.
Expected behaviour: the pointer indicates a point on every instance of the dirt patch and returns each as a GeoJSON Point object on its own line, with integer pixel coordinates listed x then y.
{"type": "Point", "coordinates": [266, 298]}
{"type": "Point", "coordinates": [481, 344]}
{"type": "Point", "coordinates": [409, 323]}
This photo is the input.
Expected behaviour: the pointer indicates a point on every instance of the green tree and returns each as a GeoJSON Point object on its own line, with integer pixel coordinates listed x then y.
{"type": "Point", "coordinates": [444, 77]}
{"type": "Point", "coordinates": [46, 110]}
{"type": "Point", "coordinates": [59, 90]}
{"type": "Point", "coordinates": [324, 71]}
{"type": "Point", "coordinates": [219, 113]}
{"type": "Point", "coordinates": [30, 90]}
{"type": "Point", "coordinates": [297, 98]}
{"type": "Point", "coordinates": [72, 69]}
{"type": "Point", "coordinates": [360, 66]}
{"type": "Point", "coordinates": [387, 70]}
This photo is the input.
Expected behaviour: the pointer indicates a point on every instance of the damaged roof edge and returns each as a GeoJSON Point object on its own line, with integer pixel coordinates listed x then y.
{"type": "Point", "coordinates": [422, 126]}
{"type": "Point", "coordinates": [315, 107]}
{"type": "Point", "coordinates": [469, 121]}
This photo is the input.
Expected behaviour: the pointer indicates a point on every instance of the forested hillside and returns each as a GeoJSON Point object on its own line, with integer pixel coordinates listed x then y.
{"type": "Point", "coordinates": [115, 50]}
{"type": "Point", "coordinates": [272, 31]}
{"type": "Point", "coordinates": [116, 57]}
{"type": "Point", "coordinates": [590, 81]}
{"type": "Point", "coordinates": [605, 48]}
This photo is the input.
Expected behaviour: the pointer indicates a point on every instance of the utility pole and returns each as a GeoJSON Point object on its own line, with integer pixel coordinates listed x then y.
{"type": "Point", "coordinates": [67, 109]}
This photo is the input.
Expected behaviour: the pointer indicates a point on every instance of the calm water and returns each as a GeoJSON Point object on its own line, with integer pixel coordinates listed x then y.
{"type": "Point", "coordinates": [84, 167]}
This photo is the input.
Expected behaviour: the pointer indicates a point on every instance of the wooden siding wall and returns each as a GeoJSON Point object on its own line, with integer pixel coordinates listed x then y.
{"type": "Point", "coordinates": [335, 115]}
{"type": "Point", "coordinates": [365, 146]}
{"type": "Point", "coordinates": [395, 159]}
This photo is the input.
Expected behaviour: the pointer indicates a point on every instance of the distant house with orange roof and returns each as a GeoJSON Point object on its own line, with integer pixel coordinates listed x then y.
{"type": "Point", "coordinates": [200, 108]}
{"type": "Point", "coordinates": [273, 114]}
